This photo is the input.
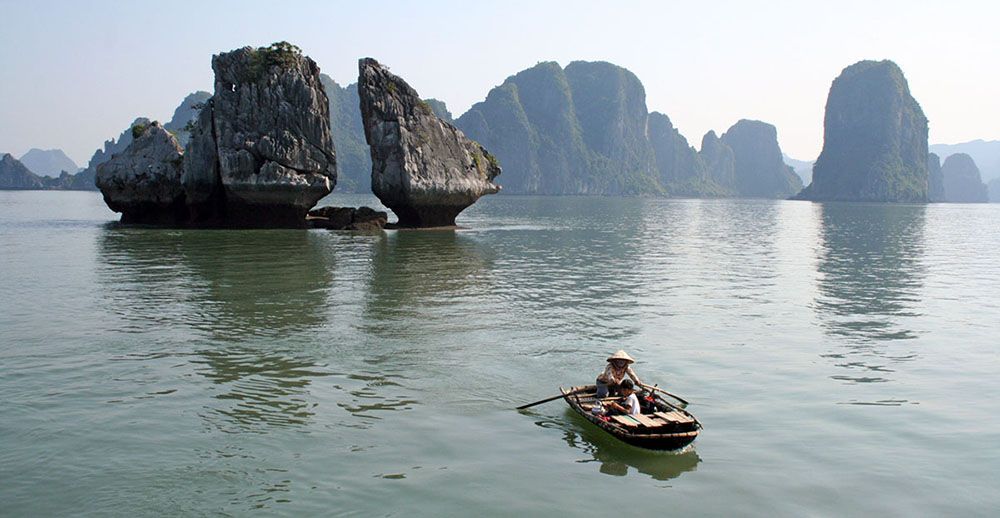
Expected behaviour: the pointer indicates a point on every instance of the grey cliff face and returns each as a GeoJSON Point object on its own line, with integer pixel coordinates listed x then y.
{"type": "Point", "coordinates": [760, 169]}
{"type": "Point", "coordinates": [720, 163]}
{"type": "Point", "coordinates": [935, 179]}
{"type": "Point", "coordinates": [263, 140]}
{"type": "Point", "coordinates": [424, 169]}
{"type": "Point", "coordinates": [962, 181]}
{"type": "Point", "coordinates": [15, 176]}
{"type": "Point", "coordinates": [875, 139]}
{"type": "Point", "coordinates": [143, 182]}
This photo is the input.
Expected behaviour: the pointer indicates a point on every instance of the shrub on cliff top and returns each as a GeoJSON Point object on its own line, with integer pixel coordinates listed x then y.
{"type": "Point", "coordinates": [281, 54]}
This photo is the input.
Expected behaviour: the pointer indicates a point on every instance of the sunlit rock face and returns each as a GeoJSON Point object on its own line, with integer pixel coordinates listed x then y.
{"type": "Point", "coordinates": [875, 139]}
{"type": "Point", "coordinates": [962, 181]}
{"type": "Point", "coordinates": [423, 168]}
{"type": "Point", "coordinates": [261, 152]}
{"type": "Point", "coordinates": [143, 181]}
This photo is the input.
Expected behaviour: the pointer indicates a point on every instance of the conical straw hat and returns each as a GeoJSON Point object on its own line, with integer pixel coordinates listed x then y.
{"type": "Point", "coordinates": [621, 355]}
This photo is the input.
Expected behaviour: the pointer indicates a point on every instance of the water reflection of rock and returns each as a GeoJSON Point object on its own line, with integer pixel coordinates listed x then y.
{"type": "Point", "coordinates": [415, 272]}
{"type": "Point", "coordinates": [238, 295]}
{"type": "Point", "coordinates": [870, 277]}
{"type": "Point", "coordinates": [614, 457]}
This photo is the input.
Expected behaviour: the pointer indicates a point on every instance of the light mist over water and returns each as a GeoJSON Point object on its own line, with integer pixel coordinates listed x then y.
{"type": "Point", "coordinates": [842, 357]}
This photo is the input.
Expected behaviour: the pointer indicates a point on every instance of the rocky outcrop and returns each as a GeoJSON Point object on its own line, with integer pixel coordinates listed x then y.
{"type": "Point", "coordinates": [760, 171]}
{"type": "Point", "coordinates": [185, 116]}
{"type": "Point", "coordinates": [354, 161]}
{"type": "Point", "coordinates": [720, 163]}
{"type": "Point", "coordinates": [962, 182]}
{"type": "Point", "coordinates": [681, 170]}
{"type": "Point", "coordinates": [875, 139]}
{"type": "Point", "coordinates": [935, 180]}
{"type": "Point", "coordinates": [348, 218]}
{"type": "Point", "coordinates": [440, 109]}
{"type": "Point", "coordinates": [424, 169]}
{"type": "Point", "coordinates": [15, 176]}
{"type": "Point", "coordinates": [48, 162]}
{"type": "Point", "coordinates": [143, 182]}
{"type": "Point", "coordinates": [261, 152]}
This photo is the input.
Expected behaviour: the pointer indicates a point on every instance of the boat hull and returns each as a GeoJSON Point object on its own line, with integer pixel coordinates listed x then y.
{"type": "Point", "coordinates": [672, 436]}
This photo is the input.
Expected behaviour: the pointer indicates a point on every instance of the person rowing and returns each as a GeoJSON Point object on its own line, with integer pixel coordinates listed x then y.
{"type": "Point", "coordinates": [619, 367]}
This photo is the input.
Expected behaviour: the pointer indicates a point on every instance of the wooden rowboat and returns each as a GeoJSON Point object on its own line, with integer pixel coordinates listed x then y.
{"type": "Point", "coordinates": [663, 427]}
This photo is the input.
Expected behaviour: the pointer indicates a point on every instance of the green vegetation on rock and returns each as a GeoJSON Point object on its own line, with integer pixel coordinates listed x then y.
{"type": "Point", "coordinates": [875, 139]}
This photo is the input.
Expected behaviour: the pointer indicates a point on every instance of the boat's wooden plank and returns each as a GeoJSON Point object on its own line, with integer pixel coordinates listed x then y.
{"type": "Point", "coordinates": [626, 420]}
{"type": "Point", "coordinates": [674, 417]}
{"type": "Point", "coordinates": [647, 421]}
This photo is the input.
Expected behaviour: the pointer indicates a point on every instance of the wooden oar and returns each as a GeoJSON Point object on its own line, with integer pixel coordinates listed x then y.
{"type": "Point", "coordinates": [553, 398]}
{"type": "Point", "coordinates": [658, 389]}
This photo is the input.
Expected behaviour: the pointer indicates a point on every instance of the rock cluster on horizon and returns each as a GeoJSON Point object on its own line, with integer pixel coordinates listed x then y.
{"type": "Point", "coordinates": [760, 171]}
{"type": "Point", "coordinates": [423, 168]}
{"type": "Point", "coordinates": [260, 153]}
{"type": "Point", "coordinates": [16, 176]}
{"type": "Point", "coordinates": [585, 129]}
{"type": "Point", "coordinates": [962, 181]}
{"type": "Point", "coordinates": [875, 139]}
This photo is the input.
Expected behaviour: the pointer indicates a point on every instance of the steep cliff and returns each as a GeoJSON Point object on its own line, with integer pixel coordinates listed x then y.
{"type": "Point", "coordinates": [962, 181]}
{"type": "Point", "coordinates": [760, 171]}
{"type": "Point", "coordinates": [354, 162]}
{"type": "Point", "coordinates": [261, 152]}
{"type": "Point", "coordinates": [935, 180]}
{"type": "Point", "coordinates": [875, 139]}
{"type": "Point", "coordinates": [423, 168]}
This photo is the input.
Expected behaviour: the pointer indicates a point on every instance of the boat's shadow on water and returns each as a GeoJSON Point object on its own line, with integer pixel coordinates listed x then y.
{"type": "Point", "coordinates": [614, 457]}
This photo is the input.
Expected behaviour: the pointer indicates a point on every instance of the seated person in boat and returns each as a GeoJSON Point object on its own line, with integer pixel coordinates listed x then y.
{"type": "Point", "coordinates": [619, 366]}
{"type": "Point", "coordinates": [629, 405]}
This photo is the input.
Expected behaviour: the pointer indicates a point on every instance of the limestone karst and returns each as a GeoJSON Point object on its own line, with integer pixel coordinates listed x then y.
{"type": "Point", "coordinates": [423, 168]}
{"type": "Point", "coordinates": [875, 139]}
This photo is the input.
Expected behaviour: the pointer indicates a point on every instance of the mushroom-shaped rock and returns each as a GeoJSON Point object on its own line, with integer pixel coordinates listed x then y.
{"type": "Point", "coordinates": [143, 182]}
{"type": "Point", "coordinates": [423, 168]}
{"type": "Point", "coordinates": [261, 152]}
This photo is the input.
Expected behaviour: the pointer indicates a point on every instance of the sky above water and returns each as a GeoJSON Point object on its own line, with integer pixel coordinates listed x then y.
{"type": "Point", "coordinates": [77, 73]}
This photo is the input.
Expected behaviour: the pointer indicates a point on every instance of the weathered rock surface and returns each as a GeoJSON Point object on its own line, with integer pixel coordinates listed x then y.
{"type": "Point", "coordinates": [875, 139]}
{"type": "Point", "coordinates": [424, 169]}
{"type": "Point", "coordinates": [261, 152]}
{"type": "Point", "coordinates": [143, 182]}
{"type": "Point", "coordinates": [16, 176]}
{"type": "Point", "coordinates": [348, 218]}
{"type": "Point", "coordinates": [935, 179]}
{"type": "Point", "coordinates": [760, 170]}
{"type": "Point", "coordinates": [962, 181]}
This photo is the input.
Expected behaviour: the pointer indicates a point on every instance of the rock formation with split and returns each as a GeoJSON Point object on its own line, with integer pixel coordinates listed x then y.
{"type": "Point", "coordinates": [143, 182]}
{"type": "Point", "coordinates": [423, 168]}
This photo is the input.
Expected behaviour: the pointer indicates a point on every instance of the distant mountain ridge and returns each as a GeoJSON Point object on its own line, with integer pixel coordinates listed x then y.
{"type": "Point", "coordinates": [48, 162]}
{"type": "Point", "coordinates": [986, 153]}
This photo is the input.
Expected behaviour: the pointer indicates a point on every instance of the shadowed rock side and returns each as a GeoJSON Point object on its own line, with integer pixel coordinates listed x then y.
{"type": "Point", "coordinates": [962, 181]}
{"type": "Point", "coordinates": [994, 190]}
{"type": "Point", "coordinates": [935, 180]}
{"type": "Point", "coordinates": [760, 170]}
{"type": "Point", "coordinates": [875, 139]}
{"type": "Point", "coordinates": [720, 163]}
{"type": "Point", "coordinates": [682, 171]}
{"type": "Point", "coordinates": [423, 168]}
{"type": "Point", "coordinates": [261, 152]}
{"type": "Point", "coordinates": [143, 182]}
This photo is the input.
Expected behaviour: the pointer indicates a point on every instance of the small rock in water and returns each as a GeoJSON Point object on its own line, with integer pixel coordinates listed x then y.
{"type": "Point", "coordinates": [348, 218]}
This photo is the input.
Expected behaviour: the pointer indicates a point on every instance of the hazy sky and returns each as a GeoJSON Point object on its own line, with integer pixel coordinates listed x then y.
{"type": "Point", "coordinates": [78, 72]}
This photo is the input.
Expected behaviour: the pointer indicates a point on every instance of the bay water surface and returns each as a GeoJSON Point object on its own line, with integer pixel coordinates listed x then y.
{"type": "Point", "coordinates": [843, 358]}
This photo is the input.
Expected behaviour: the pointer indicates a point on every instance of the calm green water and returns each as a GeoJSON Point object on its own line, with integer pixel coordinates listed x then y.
{"type": "Point", "coordinates": [844, 359]}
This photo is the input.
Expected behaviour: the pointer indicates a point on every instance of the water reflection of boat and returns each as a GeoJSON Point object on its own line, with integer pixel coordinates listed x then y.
{"type": "Point", "coordinates": [614, 457]}
{"type": "Point", "coordinates": [665, 427]}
